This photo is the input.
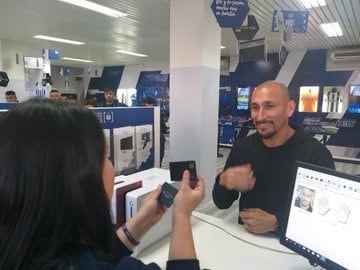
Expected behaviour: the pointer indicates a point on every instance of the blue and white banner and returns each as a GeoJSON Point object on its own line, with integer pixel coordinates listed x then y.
{"type": "Point", "coordinates": [64, 71]}
{"type": "Point", "coordinates": [297, 20]}
{"type": "Point", "coordinates": [230, 13]}
{"type": "Point", "coordinates": [51, 54]}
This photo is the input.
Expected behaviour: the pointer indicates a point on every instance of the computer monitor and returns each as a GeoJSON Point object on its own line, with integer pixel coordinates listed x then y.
{"type": "Point", "coordinates": [324, 217]}
{"type": "Point", "coordinates": [254, 50]}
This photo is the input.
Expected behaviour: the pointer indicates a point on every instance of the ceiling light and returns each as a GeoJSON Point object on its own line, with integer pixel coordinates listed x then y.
{"type": "Point", "coordinates": [96, 7]}
{"type": "Point", "coordinates": [77, 59]}
{"type": "Point", "coordinates": [132, 53]}
{"type": "Point", "coordinates": [59, 40]}
{"type": "Point", "coordinates": [222, 47]}
{"type": "Point", "coordinates": [313, 3]}
{"type": "Point", "coordinates": [332, 29]}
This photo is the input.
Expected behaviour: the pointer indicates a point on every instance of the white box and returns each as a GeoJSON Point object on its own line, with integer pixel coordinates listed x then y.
{"type": "Point", "coordinates": [144, 143]}
{"type": "Point", "coordinates": [122, 185]}
{"type": "Point", "coordinates": [124, 149]}
{"type": "Point", "coordinates": [107, 142]}
{"type": "Point", "coordinates": [152, 178]}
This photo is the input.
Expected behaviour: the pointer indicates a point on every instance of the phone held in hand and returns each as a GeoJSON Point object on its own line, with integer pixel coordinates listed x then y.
{"type": "Point", "coordinates": [168, 194]}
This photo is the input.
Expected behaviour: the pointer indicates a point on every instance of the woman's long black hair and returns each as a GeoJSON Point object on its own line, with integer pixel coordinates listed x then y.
{"type": "Point", "coordinates": [52, 197]}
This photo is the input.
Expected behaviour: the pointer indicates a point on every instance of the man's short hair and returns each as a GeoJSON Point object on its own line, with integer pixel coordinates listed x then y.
{"type": "Point", "coordinates": [149, 100]}
{"type": "Point", "coordinates": [10, 93]}
{"type": "Point", "coordinates": [90, 102]}
{"type": "Point", "coordinates": [54, 91]}
{"type": "Point", "coordinates": [109, 90]}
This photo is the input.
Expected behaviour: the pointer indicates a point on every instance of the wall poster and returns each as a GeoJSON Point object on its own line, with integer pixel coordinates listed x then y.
{"type": "Point", "coordinates": [309, 96]}
{"type": "Point", "coordinates": [332, 100]}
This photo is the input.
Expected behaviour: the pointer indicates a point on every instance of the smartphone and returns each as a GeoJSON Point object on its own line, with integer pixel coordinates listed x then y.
{"type": "Point", "coordinates": [177, 169]}
{"type": "Point", "coordinates": [168, 194]}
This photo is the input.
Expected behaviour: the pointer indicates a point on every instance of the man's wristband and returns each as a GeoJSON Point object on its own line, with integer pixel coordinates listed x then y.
{"type": "Point", "coordinates": [129, 235]}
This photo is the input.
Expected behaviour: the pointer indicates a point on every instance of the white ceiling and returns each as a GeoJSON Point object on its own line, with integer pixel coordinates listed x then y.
{"type": "Point", "coordinates": [146, 29]}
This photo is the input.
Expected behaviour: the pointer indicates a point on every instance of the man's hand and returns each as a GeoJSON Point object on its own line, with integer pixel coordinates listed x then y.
{"type": "Point", "coordinates": [258, 221]}
{"type": "Point", "coordinates": [240, 178]}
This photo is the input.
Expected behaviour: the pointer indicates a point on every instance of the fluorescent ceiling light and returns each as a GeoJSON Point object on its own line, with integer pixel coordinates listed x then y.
{"type": "Point", "coordinates": [132, 53]}
{"type": "Point", "coordinates": [222, 47]}
{"type": "Point", "coordinates": [59, 40]}
{"type": "Point", "coordinates": [313, 3]}
{"type": "Point", "coordinates": [332, 29]}
{"type": "Point", "coordinates": [77, 59]}
{"type": "Point", "coordinates": [95, 7]}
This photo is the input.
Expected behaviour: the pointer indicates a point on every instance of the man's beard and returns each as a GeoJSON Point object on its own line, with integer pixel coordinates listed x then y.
{"type": "Point", "coordinates": [267, 135]}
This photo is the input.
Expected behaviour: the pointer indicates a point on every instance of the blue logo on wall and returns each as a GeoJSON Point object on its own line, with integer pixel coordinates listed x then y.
{"type": "Point", "coordinates": [108, 117]}
{"type": "Point", "coordinates": [230, 13]}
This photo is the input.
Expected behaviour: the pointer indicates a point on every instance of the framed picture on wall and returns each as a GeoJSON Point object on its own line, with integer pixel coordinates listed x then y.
{"type": "Point", "coordinates": [332, 100]}
{"type": "Point", "coordinates": [308, 98]}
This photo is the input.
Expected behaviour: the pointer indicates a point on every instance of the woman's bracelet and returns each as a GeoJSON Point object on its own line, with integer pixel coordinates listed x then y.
{"type": "Point", "coordinates": [129, 235]}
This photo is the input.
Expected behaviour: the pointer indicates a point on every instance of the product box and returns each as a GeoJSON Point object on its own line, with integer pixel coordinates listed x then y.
{"type": "Point", "coordinates": [134, 200]}
{"type": "Point", "coordinates": [124, 150]}
{"type": "Point", "coordinates": [118, 213]}
{"type": "Point", "coordinates": [144, 143]}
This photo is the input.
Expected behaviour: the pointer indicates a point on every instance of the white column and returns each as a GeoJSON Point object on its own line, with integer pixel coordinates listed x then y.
{"type": "Point", "coordinates": [195, 39]}
{"type": "Point", "coordinates": [0, 55]}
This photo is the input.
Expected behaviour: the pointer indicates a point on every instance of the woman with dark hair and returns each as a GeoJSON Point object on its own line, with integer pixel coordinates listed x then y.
{"type": "Point", "coordinates": [55, 185]}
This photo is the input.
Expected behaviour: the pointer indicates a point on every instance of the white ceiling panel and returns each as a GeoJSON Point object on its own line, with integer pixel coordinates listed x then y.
{"type": "Point", "coordinates": [146, 29]}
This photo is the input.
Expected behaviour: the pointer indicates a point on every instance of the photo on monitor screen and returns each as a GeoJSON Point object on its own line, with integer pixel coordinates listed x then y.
{"type": "Point", "coordinates": [332, 99]}
{"type": "Point", "coordinates": [308, 101]}
{"type": "Point", "coordinates": [243, 98]}
{"type": "Point", "coordinates": [354, 99]}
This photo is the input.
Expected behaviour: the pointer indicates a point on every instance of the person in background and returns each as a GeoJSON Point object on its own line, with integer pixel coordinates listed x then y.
{"type": "Point", "coordinates": [54, 95]}
{"type": "Point", "coordinates": [150, 102]}
{"type": "Point", "coordinates": [110, 100]}
{"type": "Point", "coordinates": [55, 188]}
{"type": "Point", "coordinates": [10, 96]}
{"type": "Point", "coordinates": [259, 166]}
{"type": "Point", "coordinates": [90, 103]}
{"type": "Point", "coordinates": [71, 99]}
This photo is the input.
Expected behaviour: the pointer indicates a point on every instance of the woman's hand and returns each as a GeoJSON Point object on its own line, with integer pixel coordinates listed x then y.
{"type": "Point", "coordinates": [150, 212]}
{"type": "Point", "coordinates": [189, 196]}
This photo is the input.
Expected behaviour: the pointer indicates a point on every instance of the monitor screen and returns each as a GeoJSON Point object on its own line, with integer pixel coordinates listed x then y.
{"type": "Point", "coordinates": [354, 99]}
{"type": "Point", "coordinates": [324, 217]}
{"type": "Point", "coordinates": [243, 98]}
{"type": "Point", "coordinates": [226, 100]}
{"type": "Point", "coordinates": [254, 50]}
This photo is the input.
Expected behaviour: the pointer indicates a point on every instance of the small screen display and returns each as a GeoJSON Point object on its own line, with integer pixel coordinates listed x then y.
{"type": "Point", "coordinates": [243, 97]}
